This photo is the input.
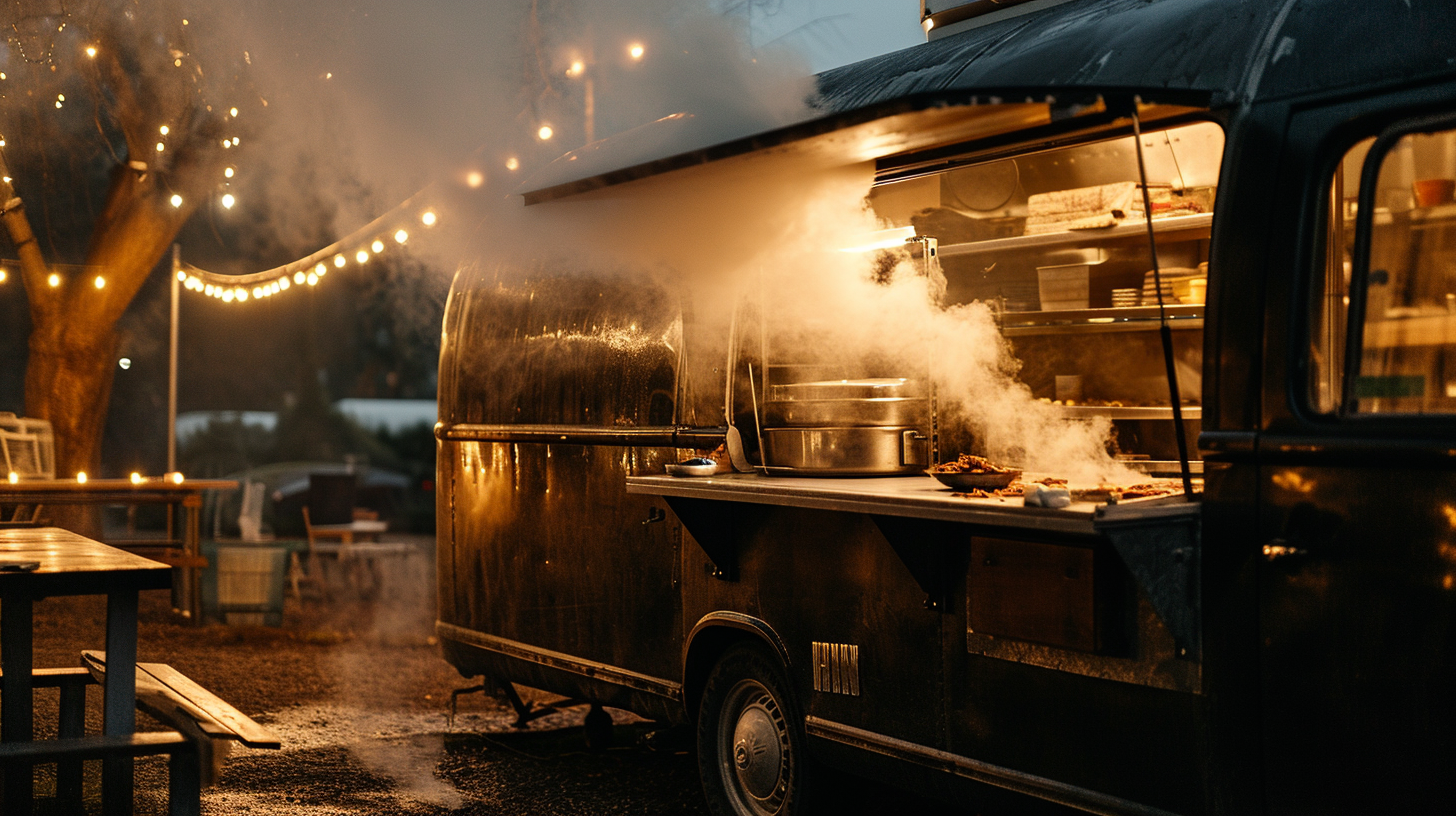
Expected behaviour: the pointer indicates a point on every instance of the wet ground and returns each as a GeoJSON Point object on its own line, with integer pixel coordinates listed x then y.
{"type": "Point", "coordinates": [359, 695]}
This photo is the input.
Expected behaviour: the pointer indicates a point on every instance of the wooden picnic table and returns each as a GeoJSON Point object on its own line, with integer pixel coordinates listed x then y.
{"type": "Point", "coordinates": [40, 562]}
{"type": "Point", "coordinates": [181, 546]}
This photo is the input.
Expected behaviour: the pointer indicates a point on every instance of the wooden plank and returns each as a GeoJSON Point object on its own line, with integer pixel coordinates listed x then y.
{"type": "Point", "coordinates": [56, 678]}
{"type": "Point", "coordinates": [157, 699]}
{"type": "Point", "coordinates": [161, 690]}
{"type": "Point", "coordinates": [94, 747]}
{"type": "Point", "coordinates": [249, 732]}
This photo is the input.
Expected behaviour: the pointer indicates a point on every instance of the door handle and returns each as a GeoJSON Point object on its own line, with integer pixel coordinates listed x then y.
{"type": "Point", "coordinates": [654, 515]}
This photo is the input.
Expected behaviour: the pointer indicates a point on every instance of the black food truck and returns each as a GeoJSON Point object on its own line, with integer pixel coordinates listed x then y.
{"type": "Point", "coordinates": [1219, 236]}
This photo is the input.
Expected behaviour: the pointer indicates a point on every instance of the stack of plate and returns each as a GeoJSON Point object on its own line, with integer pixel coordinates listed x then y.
{"type": "Point", "coordinates": [1175, 285]}
{"type": "Point", "coordinates": [1123, 298]}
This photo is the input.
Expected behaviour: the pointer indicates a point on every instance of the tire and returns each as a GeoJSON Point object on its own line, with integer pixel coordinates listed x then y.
{"type": "Point", "coordinates": [751, 738]}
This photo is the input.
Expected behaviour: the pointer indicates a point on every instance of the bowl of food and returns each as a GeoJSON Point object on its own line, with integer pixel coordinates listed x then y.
{"type": "Point", "coordinates": [973, 472]}
{"type": "Point", "coordinates": [693, 467]}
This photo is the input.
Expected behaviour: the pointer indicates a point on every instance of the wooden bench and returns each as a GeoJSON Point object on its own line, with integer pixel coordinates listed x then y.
{"type": "Point", "coordinates": [72, 747]}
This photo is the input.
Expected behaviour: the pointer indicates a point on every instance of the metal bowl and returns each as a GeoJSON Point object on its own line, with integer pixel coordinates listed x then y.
{"type": "Point", "coordinates": [692, 470]}
{"type": "Point", "coordinates": [976, 481]}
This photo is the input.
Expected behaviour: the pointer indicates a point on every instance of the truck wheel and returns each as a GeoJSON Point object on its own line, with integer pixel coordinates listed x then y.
{"type": "Point", "coordinates": [751, 738]}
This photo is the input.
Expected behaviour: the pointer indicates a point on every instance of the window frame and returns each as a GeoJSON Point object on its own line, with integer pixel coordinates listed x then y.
{"type": "Point", "coordinates": [1387, 138]}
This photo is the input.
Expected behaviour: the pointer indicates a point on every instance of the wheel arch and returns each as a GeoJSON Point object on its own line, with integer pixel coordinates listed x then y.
{"type": "Point", "coordinates": [714, 634]}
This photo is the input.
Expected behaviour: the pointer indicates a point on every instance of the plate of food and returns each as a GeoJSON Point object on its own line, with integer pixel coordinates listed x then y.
{"type": "Point", "coordinates": [971, 471]}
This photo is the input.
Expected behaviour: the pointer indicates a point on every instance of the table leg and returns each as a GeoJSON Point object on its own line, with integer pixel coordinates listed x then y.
{"type": "Point", "coordinates": [119, 698]}
{"type": "Point", "coordinates": [17, 705]}
{"type": "Point", "coordinates": [192, 546]}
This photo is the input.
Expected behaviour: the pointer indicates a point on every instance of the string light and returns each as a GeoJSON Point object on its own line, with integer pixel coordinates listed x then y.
{"type": "Point", "coordinates": [400, 236]}
{"type": "Point", "coordinates": [339, 261]}
{"type": "Point", "coordinates": [513, 163]}
{"type": "Point", "coordinates": [228, 173]}
{"type": "Point", "coordinates": [14, 477]}
{"type": "Point", "coordinates": [136, 478]}
{"type": "Point", "coordinates": [3, 275]}
{"type": "Point", "coordinates": [54, 280]}
{"type": "Point", "coordinates": [176, 200]}
{"type": "Point", "coordinates": [228, 201]}
{"type": "Point", "coordinates": [233, 113]}
{"type": "Point", "coordinates": [91, 51]}
{"type": "Point", "coordinates": [362, 256]}
{"type": "Point", "coordinates": [80, 477]}
{"type": "Point", "coordinates": [544, 134]}
{"type": "Point", "coordinates": [161, 147]}
{"type": "Point", "coordinates": [164, 130]}
{"type": "Point", "coordinates": [635, 51]}
{"type": "Point", "coordinates": [577, 68]}
{"type": "Point", "coordinates": [377, 246]}
{"type": "Point", "coordinates": [298, 277]}
{"type": "Point", "coordinates": [474, 178]}
{"type": "Point", "coordinates": [100, 282]}
{"type": "Point", "coordinates": [428, 218]}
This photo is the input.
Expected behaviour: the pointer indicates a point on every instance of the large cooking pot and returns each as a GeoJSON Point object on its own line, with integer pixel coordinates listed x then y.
{"type": "Point", "coordinates": [846, 451]}
{"type": "Point", "coordinates": [876, 402]}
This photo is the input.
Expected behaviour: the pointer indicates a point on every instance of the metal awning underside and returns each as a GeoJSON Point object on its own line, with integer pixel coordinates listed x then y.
{"type": "Point", "coordinates": [1072, 59]}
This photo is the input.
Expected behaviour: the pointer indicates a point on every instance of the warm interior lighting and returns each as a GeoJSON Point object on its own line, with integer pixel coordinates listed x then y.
{"type": "Point", "coordinates": [577, 68]}
{"type": "Point", "coordinates": [513, 163]}
{"type": "Point", "coordinates": [164, 130]}
{"type": "Point", "coordinates": [176, 477]}
{"type": "Point", "coordinates": [100, 282]}
{"type": "Point", "coordinates": [312, 279]}
{"type": "Point", "coordinates": [282, 283]}
{"type": "Point", "coordinates": [400, 236]}
{"type": "Point", "coordinates": [14, 477]}
{"type": "Point", "coordinates": [428, 219]}
{"type": "Point", "coordinates": [233, 112]}
{"type": "Point", "coordinates": [545, 133]}
{"type": "Point", "coordinates": [362, 256]}
{"type": "Point", "coordinates": [635, 51]}
{"type": "Point", "coordinates": [91, 51]}
{"type": "Point", "coordinates": [54, 280]}
{"type": "Point", "coordinates": [321, 269]}
{"type": "Point", "coordinates": [136, 478]}
{"type": "Point", "coordinates": [377, 246]}
{"type": "Point", "coordinates": [298, 277]}
{"type": "Point", "coordinates": [3, 275]}
{"type": "Point", "coordinates": [81, 477]}
{"type": "Point", "coordinates": [228, 172]}
{"type": "Point", "coordinates": [176, 200]}
{"type": "Point", "coordinates": [474, 178]}
{"type": "Point", "coordinates": [339, 261]}
{"type": "Point", "coordinates": [228, 201]}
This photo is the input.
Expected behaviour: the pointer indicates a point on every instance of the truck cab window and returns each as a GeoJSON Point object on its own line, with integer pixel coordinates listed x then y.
{"type": "Point", "coordinates": [1384, 327]}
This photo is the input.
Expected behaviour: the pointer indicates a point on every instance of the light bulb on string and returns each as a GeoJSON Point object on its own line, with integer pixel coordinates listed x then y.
{"type": "Point", "coordinates": [176, 200]}
{"type": "Point", "coordinates": [400, 236]}
{"type": "Point", "coordinates": [181, 276]}
{"type": "Point", "coordinates": [233, 112]}
{"type": "Point", "coordinates": [362, 256]}
{"type": "Point", "coordinates": [339, 261]}
{"type": "Point", "coordinates": [242, 294]}
{"type": "Point", "coordinates": [228, 201]}
{"type": "Point", "coordinates": [428, 218]}
{"type": "Point", "coordinates": [312, 279]}
{"type": "Point", "coordinates": [513, 163]}
{"type": "Point", "coordinates": [164, 130]}
{"type": "Point", "coordinates": [377, 246]}
{"type": "Point", "coordinates": [545, 132]}
{"type": "Point", "coordinates": [54, 280]}
{"type": "Point", "coordinates": [91, 51]}
{"type": "Point", "coordinates": [207, 290]}
{"type": "Point", "coordinates": [100, 282]}
{"type": "Point", "coordinates": [227, 296]}
{"type": "Point", "coordinates": [474, 178]}
{"type": "Point", "coordinates": [282, 283]}
{"type": "Point", "coordinates": [636, 51]}
{"type": "Point", "coordinates": [298, 277]}
{"type": "Point", "coordinates": [227, 172]}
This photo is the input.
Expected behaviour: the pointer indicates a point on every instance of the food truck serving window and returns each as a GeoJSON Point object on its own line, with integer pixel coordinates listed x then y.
{"type": "Point", "coordinates": [1384, 312]}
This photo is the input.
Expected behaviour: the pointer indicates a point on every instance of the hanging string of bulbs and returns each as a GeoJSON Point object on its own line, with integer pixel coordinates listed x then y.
{"type": "Point", "coordinates": [359, 247]}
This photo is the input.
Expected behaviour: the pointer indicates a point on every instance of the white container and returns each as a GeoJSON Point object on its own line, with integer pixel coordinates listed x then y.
{"type": "Point", "coordinates": [1063, 287]}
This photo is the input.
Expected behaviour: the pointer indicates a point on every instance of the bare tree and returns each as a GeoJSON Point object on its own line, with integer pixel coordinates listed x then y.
{"type": "Point", "coordinates": [109, 97]}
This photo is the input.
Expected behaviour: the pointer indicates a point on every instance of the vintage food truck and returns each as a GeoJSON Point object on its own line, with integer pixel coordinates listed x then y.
{"type": "Point", "coordinates": [1232, 219]}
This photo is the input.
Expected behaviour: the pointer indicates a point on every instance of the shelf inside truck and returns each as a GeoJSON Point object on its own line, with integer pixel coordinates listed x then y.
{"type": "Point", "coordinates": [1179, 226]}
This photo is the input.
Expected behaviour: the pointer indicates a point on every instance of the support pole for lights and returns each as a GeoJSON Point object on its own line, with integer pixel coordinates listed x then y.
{"type": "Point", "coordinates": [172, 364]}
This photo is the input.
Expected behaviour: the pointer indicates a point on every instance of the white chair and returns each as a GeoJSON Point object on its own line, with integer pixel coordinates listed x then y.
{"type": "Point", "coordinates": [250, 516]}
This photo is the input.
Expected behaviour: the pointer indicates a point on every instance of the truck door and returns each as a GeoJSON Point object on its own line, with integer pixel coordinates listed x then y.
{"type": "Point", "coordinates": [1357, 465]}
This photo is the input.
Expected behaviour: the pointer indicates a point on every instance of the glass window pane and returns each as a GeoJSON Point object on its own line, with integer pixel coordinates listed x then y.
{"type": "Point", "coordinates": [1408, 342]}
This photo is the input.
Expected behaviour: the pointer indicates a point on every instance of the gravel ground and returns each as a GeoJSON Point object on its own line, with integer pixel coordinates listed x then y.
{"type": "Point", "coordinates": [359, 695]}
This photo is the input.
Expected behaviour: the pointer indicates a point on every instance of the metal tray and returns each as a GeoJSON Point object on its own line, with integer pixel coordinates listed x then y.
{"type": "Point", "coordinates": [975, 481]}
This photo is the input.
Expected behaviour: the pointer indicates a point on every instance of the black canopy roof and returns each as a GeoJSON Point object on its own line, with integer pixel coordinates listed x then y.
{"type": "Point", "coordinates": [1200, 53]}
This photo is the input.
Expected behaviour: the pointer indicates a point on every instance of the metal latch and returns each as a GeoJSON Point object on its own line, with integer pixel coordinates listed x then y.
{"type": "Point", "coordinates": [912, 448]}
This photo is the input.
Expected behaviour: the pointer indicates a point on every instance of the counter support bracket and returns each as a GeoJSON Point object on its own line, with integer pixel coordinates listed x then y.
{"type": "Point", "coordinates": [715, 526]}
{"type": "Point", "coordinates": [921, 547]}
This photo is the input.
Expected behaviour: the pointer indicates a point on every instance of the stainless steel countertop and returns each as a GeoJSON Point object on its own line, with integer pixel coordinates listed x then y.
{"type": "Point", "coordinates": [906, 496]}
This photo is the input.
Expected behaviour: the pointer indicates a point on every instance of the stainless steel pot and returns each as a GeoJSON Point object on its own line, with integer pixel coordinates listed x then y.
{"type": "Point", "coordinates": [846, 451]}
{"type": "Point", "coordinates": [882, 402]}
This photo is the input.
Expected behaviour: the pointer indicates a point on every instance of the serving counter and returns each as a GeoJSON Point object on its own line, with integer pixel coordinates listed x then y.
{"type": "Point", "coordinates": [901, 496]}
